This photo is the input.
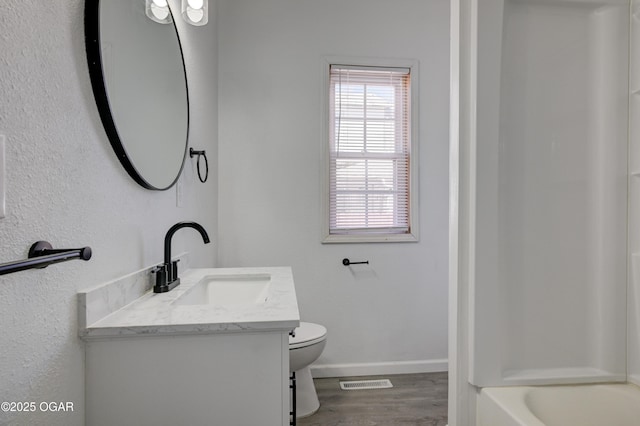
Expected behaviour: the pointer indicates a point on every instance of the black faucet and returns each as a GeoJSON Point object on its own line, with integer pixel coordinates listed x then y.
{"type": "Point", "coordinates": [167, 273]}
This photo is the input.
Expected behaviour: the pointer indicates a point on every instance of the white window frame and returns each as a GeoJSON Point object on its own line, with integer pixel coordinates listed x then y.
{"type": "Point", "coordinates": [355, 237]}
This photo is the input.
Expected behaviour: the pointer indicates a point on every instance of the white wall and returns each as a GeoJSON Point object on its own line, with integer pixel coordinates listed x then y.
{"type": "Point", "coordinates": [461, 401]}
{"type": "Point", "coordinates": [66, 186]}
{"type": "Point", "coordinates": [393, 311]}
{"type": "Point", "coordinates": [633, 294]}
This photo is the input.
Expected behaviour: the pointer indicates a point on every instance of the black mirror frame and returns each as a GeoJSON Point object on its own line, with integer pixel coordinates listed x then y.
{"type": "Point", "coordinates": [94, 58]}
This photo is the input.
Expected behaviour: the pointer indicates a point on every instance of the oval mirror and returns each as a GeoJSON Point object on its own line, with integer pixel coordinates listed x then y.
{"type": "Point", "coordinates": [138, 77]}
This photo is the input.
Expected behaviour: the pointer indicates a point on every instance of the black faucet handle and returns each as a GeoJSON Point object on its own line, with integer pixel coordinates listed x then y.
{"type": "Point", "coordinates": [173, 271]}
{"type": "Point", "coordinates": [161, 276]}
{"type": "Point", "coordinates": [159, 268]}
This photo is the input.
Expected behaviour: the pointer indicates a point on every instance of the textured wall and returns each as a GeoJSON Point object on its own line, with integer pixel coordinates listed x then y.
{"type": "Point", "coordinates": [393, 311]}
{"type": "Point", "coordinates": [65, 185]}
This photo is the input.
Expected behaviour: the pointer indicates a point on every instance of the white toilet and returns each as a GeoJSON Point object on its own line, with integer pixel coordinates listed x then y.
{"type": "Point", "coordinates": [304, 348]}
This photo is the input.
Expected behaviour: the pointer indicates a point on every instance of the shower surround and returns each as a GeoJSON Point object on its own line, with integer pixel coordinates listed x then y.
{"type": "Point", "coordinates": [545, 239]}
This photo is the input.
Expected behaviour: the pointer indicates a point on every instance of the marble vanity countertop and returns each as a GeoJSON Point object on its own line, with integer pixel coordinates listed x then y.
{"type": "Point", "coordinates": [157, 314]}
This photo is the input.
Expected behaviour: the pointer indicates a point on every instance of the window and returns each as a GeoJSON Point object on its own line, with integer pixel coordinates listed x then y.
{"type": "Point", "coordinates": [370, 147]}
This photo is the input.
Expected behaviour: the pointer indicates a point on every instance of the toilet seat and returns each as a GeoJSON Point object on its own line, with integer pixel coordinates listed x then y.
{"type": "Point", "coordinates": [307, 334]}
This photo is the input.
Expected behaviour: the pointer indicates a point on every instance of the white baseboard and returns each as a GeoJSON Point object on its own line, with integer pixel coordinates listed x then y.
{"type": "Point", "coordinates": [379, 368]}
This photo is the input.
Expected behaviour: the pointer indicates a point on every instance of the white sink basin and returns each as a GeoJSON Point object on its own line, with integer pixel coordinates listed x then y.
{"type": "Point", "coordinates": [228, 290]}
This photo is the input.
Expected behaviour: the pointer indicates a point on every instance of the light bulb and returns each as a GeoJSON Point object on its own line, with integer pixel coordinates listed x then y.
{"type": "Point", "coordinates": [158, 11]}
{"type": "Point", "coordinates": [195, 12]}
{"type": "Point", "coordinates": [160, 14]}
{"type": "Point", "coordinates": [195, 15]}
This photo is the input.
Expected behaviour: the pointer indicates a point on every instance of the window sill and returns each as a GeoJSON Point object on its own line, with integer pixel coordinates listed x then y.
{"type": "Point", "coordinates": [363, 238]}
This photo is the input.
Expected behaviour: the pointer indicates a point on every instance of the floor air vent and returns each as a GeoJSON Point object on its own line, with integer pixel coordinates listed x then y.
{"type": "Point", "coordinates": [366, 384]}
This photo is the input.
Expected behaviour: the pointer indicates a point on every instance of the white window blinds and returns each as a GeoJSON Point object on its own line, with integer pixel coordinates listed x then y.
{"type": "Point", "coordinates": [369, 133]}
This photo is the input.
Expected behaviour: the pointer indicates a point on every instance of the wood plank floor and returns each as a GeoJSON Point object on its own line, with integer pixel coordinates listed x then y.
{"type": "Point", "coordinates": [415, 399]}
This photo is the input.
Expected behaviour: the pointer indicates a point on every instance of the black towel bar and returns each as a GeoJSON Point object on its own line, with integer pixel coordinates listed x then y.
{"type": "Point", "coordinates": [347, 262]}
{"type": "Point", "coordinates": [41, 255]}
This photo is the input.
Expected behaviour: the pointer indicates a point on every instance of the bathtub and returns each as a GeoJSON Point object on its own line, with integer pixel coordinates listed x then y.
{"type": "Point", "coordinates": [571, 405]}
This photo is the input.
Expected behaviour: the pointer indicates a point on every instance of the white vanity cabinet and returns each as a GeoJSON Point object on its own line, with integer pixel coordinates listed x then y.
{"type": "Point", "coordinates": [190, 357]}
{"type": "Point", "coordinates": [230, 379]}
